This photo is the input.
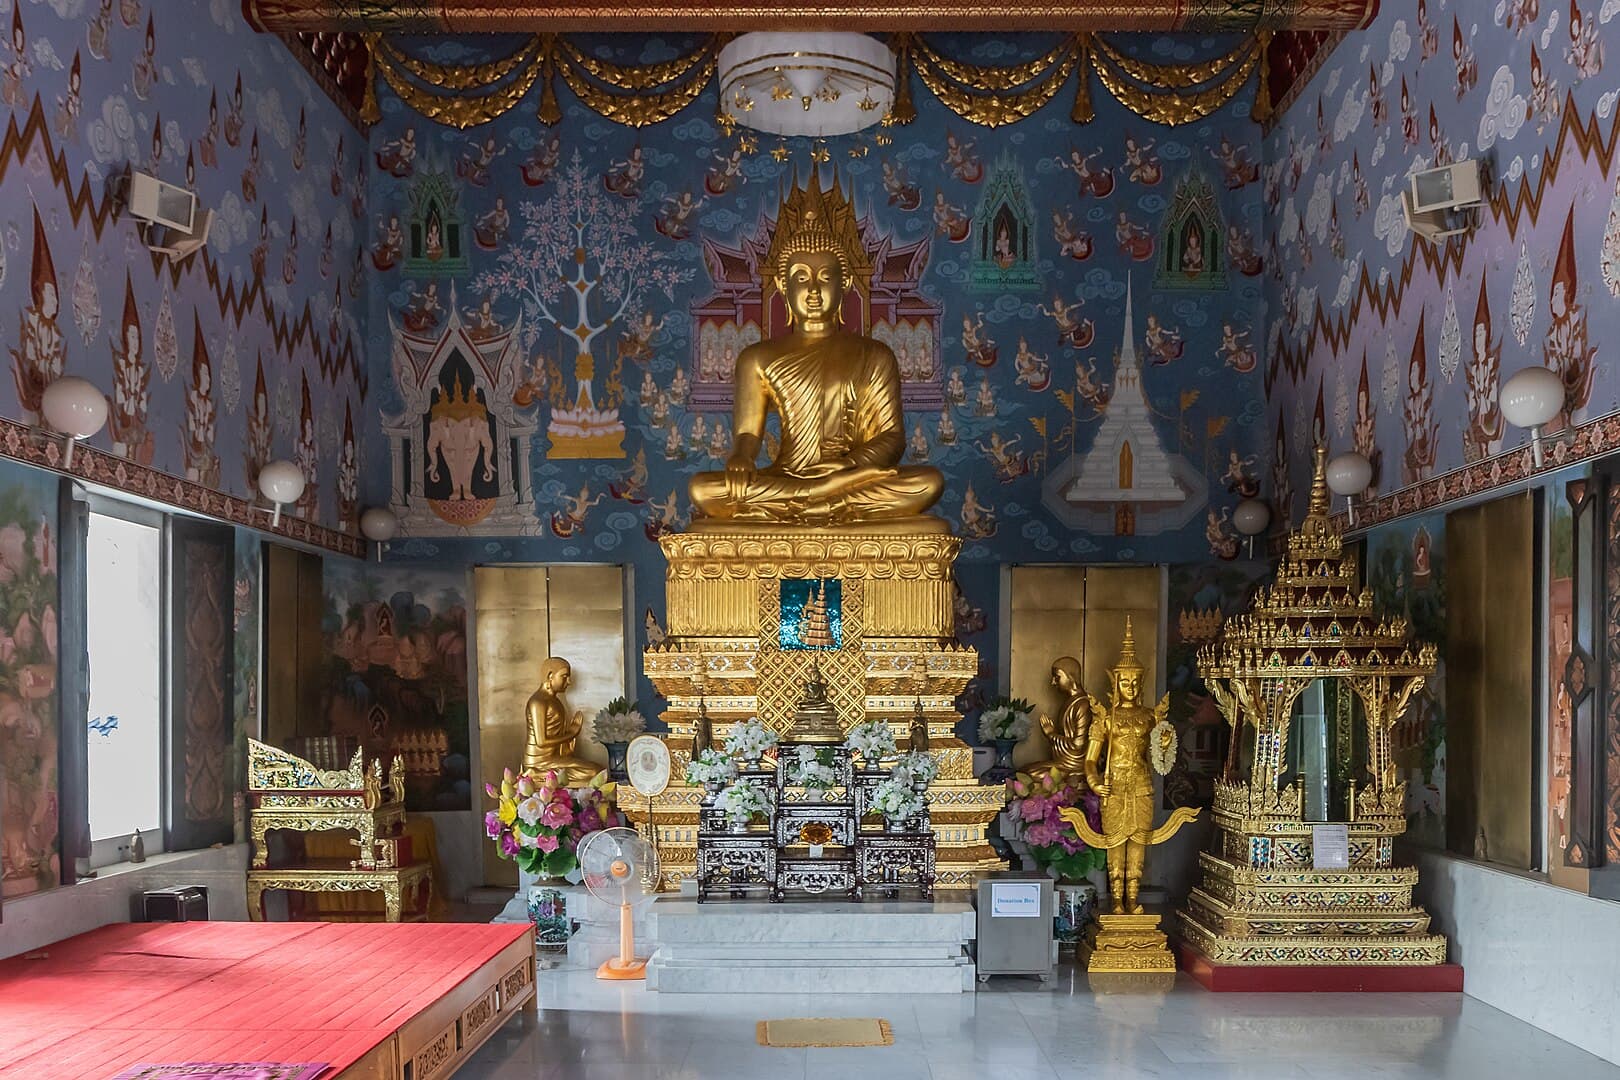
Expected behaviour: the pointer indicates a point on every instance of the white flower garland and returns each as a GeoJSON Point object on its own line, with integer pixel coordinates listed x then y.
{"type": "Point", "coordinates": [1163, 743]}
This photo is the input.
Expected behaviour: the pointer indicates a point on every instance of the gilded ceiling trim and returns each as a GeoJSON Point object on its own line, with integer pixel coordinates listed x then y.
{"type": "Point", "coordinates": [666, 16]}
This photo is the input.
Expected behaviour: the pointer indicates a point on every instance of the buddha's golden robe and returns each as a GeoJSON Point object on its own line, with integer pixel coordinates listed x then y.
{"type": "Point", "coordinates": [838, 402]}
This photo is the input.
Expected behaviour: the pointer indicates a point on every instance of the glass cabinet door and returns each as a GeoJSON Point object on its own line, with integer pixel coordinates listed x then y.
{"type": "Point", "coordinates": [1327, 749]}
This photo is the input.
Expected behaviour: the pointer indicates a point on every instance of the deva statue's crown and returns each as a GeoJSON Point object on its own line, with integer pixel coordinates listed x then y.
{"type": "Point", "coordinates": [1128, 663]}
{"type": "Point", "coordinates": [811, 235]}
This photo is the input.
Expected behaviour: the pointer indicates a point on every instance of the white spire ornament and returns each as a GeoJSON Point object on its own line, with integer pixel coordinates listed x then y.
{"type": "Point", "coordinates": [1522, 309]}
{"type": "Point", "coordinates": [1450, 337]}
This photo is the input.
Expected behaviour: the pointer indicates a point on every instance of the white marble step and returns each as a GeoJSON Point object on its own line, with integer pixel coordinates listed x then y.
{"type": "Point", "coordinates": [802, 947]}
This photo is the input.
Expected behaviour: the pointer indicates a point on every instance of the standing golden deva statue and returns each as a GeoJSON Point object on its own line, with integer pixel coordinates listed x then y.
{"type": "Point", "coordinates": [1125, 740]}
{"type": "Point", "coordinates": [837, 398]}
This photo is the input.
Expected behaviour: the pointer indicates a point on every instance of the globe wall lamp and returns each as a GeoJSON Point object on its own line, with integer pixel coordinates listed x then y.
{"type": "Point", "coordinates": [75, 408]}
{"type": "Point", "coordinates": [1251, 517]}
{"type": "Point", "coordinates": [1530, 399]}
{"type": "Point", "coordinates": [1348, 475]}
{"type": "Point", "coordinates": [379, 524]}
{"type": "Point", "coordinates": [280, 482]}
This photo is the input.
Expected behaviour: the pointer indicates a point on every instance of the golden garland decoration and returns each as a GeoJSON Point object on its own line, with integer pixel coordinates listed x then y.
{"type": "Point", "coordinates": [994, 110]}
{"type": "Point", "coordinates": [1172, 108]}
{"type": "Point", "coordinates": [988, 95]}
{"type": "Point", "coordinates": [463, 76]}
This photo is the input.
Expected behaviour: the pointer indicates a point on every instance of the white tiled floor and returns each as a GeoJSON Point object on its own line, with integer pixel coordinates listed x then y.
{"type": "Point", "coordinates": [1017, 1029]}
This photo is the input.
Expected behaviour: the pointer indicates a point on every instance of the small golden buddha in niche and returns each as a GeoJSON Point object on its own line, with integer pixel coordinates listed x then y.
{"type": "Point", "coordinates": [1067, 733]}
{"type": "Point", "coordinates": [837, 400]}
{"type": "Point", "coordinates": [552, 731]}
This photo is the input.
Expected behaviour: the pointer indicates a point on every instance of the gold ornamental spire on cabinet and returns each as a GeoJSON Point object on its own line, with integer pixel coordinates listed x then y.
{"type": "Point", "coordinates": [1312, 653]}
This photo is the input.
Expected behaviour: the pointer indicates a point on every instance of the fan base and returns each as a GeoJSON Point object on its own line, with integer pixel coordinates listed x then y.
{"type": "Point", "coordinates": [615, 970]}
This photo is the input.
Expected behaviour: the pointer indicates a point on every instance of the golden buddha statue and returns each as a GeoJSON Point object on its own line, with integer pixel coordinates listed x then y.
{"type": "Point", "coordinates": [1067, 734]}
{"type": "Point", "coordinates": [552, 731]}
{"type": "Point", "coordinates": [814, 718]}
{"type": "Point", "coordinates": [837, 400]}
{"type": "Point", "coordinates": [1125, 733]}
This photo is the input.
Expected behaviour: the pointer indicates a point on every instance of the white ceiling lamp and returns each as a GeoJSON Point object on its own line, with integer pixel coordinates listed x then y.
{"type": "Point", "coordinates": [74, 407]}
{"type": "Point", "coordinates": [280, 482]}
{"type": "Point", "coordinates": [1530, 399]}
{"type": "Point", "coordinates": [1348, 475]}
{"type": "Point", "coordinates": [815, 84]}
{"type": "Point", "coordinates": [379, 524]}
{"type": "Point", "coordinates": [1250, 517]}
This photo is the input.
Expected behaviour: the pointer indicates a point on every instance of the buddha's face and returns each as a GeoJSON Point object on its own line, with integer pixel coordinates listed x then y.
{"type": "Point", "coordinates": [813, 286]}
{"type": "Point", "coordinates": [1129, 684]}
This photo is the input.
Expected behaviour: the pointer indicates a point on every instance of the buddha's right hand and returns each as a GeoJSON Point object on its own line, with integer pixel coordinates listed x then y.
{"type": "Point", "coordinates": [739, 474]}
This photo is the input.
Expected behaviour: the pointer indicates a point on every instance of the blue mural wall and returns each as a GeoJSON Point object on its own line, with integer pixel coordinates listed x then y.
{"type": "Point", "coordinates": [1008, 256]}
{"type": "Point", "coordinates": [1399, 348]}
{"type": "Point", "coordinates": [249, 350]}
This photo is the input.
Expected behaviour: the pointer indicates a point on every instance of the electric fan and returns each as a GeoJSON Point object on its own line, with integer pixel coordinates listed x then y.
{"type": "Point", "coordinates": [615, 862]}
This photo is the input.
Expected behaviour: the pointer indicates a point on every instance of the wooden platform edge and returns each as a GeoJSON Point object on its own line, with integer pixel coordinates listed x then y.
{"type": "Point", "coordinates": [438, 1041]}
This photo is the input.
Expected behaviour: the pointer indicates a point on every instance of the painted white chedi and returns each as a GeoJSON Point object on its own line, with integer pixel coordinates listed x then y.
{"type": "Point", "coordinates": [1127, 482]}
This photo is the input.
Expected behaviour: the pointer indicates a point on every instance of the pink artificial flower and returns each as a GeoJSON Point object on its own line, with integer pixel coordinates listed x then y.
{"type": "Point", "coordinates": [557, 814]}
{"type": "Point", "coordinates": [547, 844]}
{"type": "Point", "coordinates": [492, 791]}
{"type": "Point", "coordinates": [1032, 809]}
{"type": "Point", "coordinates": [492, 824]}
{"type": "Point", "coordinates": [551, 779]}
{"type": "Point", "coordinates": [525, 786]}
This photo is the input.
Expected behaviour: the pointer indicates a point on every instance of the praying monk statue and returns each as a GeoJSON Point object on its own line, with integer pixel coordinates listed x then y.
{"type": "Point", "coordinates": [837, 400]}
{"type": "Point", "coordinates": [552, 732]}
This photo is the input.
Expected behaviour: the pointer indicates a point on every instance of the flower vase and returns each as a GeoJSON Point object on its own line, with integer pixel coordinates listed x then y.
{"type": "Point", "coordinates": [896, 825]}
{"type": "Point", "coordinates": [815, 794]}
{"type": "Point", "coordinates": [616, 752]}
{"type": "Point", "coordinates": [1003, 770]}
{"type": "Point", "coordinates": [711, 788]}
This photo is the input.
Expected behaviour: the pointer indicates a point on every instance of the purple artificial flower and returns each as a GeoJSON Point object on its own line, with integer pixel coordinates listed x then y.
{"type": "Point", "coordinates": [509, 846]}
{"type": "Point", "coordinates": [492, 824]}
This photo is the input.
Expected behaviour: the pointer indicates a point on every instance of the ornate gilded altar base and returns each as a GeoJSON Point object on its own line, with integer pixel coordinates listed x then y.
{"type": "Point", "coordinates": [1126, 943]}
{"type": "Point", "coordinates": [893, 647]}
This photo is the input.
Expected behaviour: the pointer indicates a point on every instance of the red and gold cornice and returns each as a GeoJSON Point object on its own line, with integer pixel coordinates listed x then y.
{"type": "Point", "coordinates": [674, 16]}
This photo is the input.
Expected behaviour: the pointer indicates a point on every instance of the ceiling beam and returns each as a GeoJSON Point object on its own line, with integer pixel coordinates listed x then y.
{"type": "Point", "coordinates": [672, 16]}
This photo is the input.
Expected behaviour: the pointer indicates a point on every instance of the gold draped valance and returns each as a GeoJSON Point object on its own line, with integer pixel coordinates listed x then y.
{"type": "Point", "coordinates": [465, 95]}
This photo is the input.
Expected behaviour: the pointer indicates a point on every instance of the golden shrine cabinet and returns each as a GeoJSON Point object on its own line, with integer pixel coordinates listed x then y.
{"type": "Point", "coordinates": [286, 792]}
{"type": "Point", "coordinates": [881, 630]}
{"type": "Point", "coordinates": [1312, 680]}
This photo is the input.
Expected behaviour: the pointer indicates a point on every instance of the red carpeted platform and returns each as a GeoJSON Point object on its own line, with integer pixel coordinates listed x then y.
{"type": "Point", "coordinates": [1222, 978]}
{"type": "Point", "coordinates": [370, 999]}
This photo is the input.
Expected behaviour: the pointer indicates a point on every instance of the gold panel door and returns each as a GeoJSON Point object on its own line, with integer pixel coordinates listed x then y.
{"type": "Point", "coordinates": [1077, 611]}
{"type": "Point", "coordinates": [523, 614]}
{"type": "Point", "coordinates": [512, 628]}
{"type": "Point", "coordinates": [1490, 578]}
{"type": "Point", "coordinates": [588, 630]}
{"type": "Point", "coordinates": [1048, 621]}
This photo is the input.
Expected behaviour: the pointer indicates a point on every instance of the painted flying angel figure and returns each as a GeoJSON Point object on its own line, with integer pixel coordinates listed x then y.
{"type": "Point", "coordinates": [1240, 252]}
{"type": "Point", "coordinates": [1163, 343]}
{"type": "Point", "coordinates": [1376, 101]}
{"type": "Point", "coordinates": [984, 403]}
{"type": "Point", "coordinates": [1360, 197]}
{"type": "Point", "coordinates": [978, 520]}
{"type": "Point", "coordinates": [951, 222]}
{"type": "Point", "coordinates": [1223, 540]}
{"type": "Point", "coordinates": [899, 188]}
{"type": "Point", "coordinates": [397, 157]}
{"type": "Point", "coordinates": [1409, 120]}
{"type": "Point", "coordinates": [144, 69]}
{"type": "Point", "coordinates": [1076, 332]}
{"type": "Point", "coordinates": [234, 117]}
{"type": "Point", "coordinates": [1133, 238]}
{"type": "Point", "coordinates": [1428, 33]}
{"type": "Point", "coordinates": [1521, 15]}
{"type": "Point", "coordinates": [1033, 371]}
{"type": "Point", "coordinates": [632, 486]}
{"type": "Point", "coordinates": [1235, 164]}
{"type": "Point", "coordinates": [1236, 351]}
{"type": "Point", "coordinates": [1088, 389]}
{"type": "Point", "coordinates": [1462, 56]}
{"type": "Point", "coordinates": [1544, 101]}
{"type": "Point", "coordinates": [624, 177]}
{"type": "Point", "coordinates": [1238, 477]}
{"type": "Point", "coordinates": [1141, 163]}
{"type": "Point", "coordinates": [1483, 435]}
{"type": "Point", "coordinates": [960, 159]}
{"type": "Point", "coordinates": [422, 313]}
{"type": "Point", "coordinates": [671, 219]}
{"type": "Point", "coordinates": [477, 161]}
{"type": "Point", "coordinates": [570, 520]}
{"type": "Point", "coordinates": [96, 30]}
{"type": "Point", "coordinates": [1009, 464]}
{"type": "Point", "coordinates": [1098, 183]}
{"type": "Point", "coordinates": [976, 343]}
{"type": "Point", "coordinates": [1076, 244]}
{"type": "Point", "coordinates": [726, 173]}
{"type": "Point", "coordinates": [635, 341]}
{"type": "Point", "coordinates": [19, 67]}
{"type": "Point", "coordinates": [490, 230]}
{"type": "Point", "coordinates": [542, 162]}
{"type": "Point", "coordinates": [662, 517]}
{"type": "Point", "coordinates": [70, 105]}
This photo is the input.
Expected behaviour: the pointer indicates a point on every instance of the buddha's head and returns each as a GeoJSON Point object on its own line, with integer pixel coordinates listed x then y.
{"type": "Point", "coordinates": [555, 674]}
{"type": "Point", "coordinates": [1066, 675]}
{"type": "Point", "coordinates": [812, 276]}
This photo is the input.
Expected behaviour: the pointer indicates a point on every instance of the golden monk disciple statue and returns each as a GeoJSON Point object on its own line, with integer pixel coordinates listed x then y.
{"type": "Point", "coordinates": [1119, 764]}
{"type": "Point", "coordinates": [552, 731]}
{"type": "Point", "coordinates": [1067, 733]}
{"type": "Point", "coordinates": [837, 400]}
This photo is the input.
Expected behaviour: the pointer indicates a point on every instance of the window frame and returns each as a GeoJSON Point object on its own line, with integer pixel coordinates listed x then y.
{"type": "Point", "coordinates": [106, 851]}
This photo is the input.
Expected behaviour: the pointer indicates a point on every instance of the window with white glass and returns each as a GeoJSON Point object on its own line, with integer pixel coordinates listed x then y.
{"type": "Point", "coordinates": [124, 590]}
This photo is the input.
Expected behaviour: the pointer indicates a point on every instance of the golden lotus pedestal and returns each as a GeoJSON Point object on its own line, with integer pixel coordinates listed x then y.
{"type": "Point", "coordinates": [894, 648]}
{"type": "Point", "coordinates": [1126, 943]}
